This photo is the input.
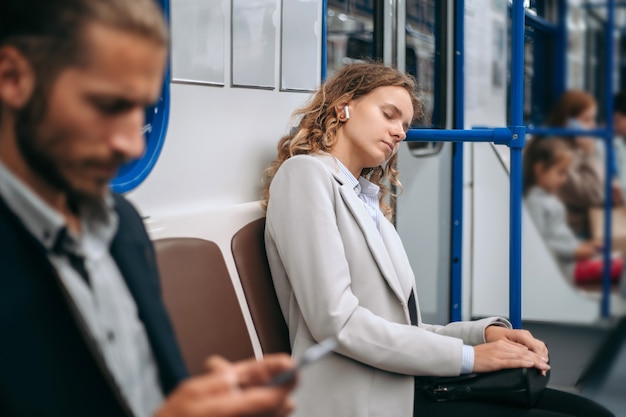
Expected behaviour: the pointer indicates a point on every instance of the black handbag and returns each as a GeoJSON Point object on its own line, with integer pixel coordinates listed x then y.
{"type": "Point", "coordinates": [518, 386]}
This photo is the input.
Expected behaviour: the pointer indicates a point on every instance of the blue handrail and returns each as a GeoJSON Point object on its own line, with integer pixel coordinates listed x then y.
{"type": "Point", "coordinates": [456, 247]}
{"type": "Point", "coordinates": [607, 134]}
{"type": "Point", "coordinates": [513, 137]}
{"type": "Point", "coordinates": [516, 146]}
{"type": "Point", "coordinates": [324, 40]}
{"type": "Point", "coordinates": [608, 203]}
{"type": "Point", "coordinates": [497, 135]}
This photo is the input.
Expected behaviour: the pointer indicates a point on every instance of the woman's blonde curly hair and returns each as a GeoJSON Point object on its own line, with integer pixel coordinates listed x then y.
{"type": "Point", "coordinates": [319, 122]}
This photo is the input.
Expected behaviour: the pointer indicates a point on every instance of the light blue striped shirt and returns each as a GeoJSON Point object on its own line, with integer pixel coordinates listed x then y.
{"type": "Point", "coordinates": [105, 304]}
{"type": "Point", "coordinates": [368, 193]}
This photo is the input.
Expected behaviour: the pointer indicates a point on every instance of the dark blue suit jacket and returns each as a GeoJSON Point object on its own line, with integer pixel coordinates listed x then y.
{"type": "Point", "coordinates": [48, 366]}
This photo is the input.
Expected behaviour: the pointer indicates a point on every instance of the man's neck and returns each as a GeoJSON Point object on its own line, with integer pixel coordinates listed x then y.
{"type": "Point", "coordinates": [57, 199]}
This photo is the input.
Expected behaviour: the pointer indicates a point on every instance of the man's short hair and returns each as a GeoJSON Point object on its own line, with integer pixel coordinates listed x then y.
{"type": "Point", "coordinates": [50, 33]}
{"type": "Point", "coordinates": [619, 103]}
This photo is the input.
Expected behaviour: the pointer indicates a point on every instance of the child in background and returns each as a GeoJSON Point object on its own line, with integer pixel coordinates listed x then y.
{"type": "Point", "coordinates": [546, 162]}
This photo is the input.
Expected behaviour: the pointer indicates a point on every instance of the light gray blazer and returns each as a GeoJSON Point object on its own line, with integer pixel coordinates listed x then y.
{"type": "Point", "coordinates": [336, 275]}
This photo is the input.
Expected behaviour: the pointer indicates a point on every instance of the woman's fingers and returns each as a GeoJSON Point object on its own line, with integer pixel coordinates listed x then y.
{"type": "Point", "coordinates": [504, 354]}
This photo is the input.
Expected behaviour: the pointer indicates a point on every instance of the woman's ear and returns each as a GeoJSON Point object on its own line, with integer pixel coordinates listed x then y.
{"type": "Point", "coordinates": [343, 111]}
{"type": "Point", "coordinates": [17, 78]}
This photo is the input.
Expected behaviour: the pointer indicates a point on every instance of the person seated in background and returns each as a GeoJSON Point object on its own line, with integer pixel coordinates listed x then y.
{"type": "Point", "coordinates": [84, 329]}
{"type": "Point", "coordinates": [546, 162]}
{"type": "Point", "coordinates": [584, 186]}
{"type": "Point", "coordinates": [340, 269]}
{"type": "Point", "coordinates": [619, 141]}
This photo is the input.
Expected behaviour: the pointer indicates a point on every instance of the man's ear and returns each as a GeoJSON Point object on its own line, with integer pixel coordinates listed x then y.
{"type": "Point", "coordinates": [17, 78]}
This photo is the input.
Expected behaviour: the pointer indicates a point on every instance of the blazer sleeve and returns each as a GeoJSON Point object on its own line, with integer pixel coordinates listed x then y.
{"type": "Point", "coordinates": [302, 232]}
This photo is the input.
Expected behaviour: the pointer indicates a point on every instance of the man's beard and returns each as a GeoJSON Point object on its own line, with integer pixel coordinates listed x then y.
{"type": "Point", "coordinates": [29, 143]}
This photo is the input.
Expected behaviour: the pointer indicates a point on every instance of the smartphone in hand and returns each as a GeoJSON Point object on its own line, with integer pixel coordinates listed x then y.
{"type": "Point", "coordinates": [311, 355]}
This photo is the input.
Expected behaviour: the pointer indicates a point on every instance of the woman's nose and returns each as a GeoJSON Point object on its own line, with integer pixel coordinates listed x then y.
{"type": "Point", "coordinates": [398, 133]}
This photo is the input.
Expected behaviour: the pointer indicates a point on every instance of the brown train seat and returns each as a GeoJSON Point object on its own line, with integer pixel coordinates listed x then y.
{"type": "Point", "coordinates": [201, 300]}
{"type": "Point", "coordinates": [248, 247]}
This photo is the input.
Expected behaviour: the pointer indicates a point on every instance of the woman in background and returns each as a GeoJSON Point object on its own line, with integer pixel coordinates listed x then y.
{"type": "Point", "coordinates": [584, 187]}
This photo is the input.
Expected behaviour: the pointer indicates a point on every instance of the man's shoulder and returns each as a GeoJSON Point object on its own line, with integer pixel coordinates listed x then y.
{"type": "Point", "coordinates": [123, 206]}
{"type": "Point", "coordinates": [131, 225]}
{"type": "Point", "coordinates": [126, 211]}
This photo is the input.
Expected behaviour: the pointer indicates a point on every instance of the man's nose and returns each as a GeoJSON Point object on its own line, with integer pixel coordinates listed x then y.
{"type": "Point", "coordinates": [128, 136]}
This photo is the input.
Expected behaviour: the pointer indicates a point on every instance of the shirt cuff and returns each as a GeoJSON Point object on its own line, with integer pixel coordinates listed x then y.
{"type": "Point", "coordinates": [467, 364]}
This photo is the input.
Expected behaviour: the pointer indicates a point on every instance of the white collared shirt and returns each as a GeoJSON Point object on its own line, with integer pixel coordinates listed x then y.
{"type": "Point", "coordinates": [367, 192]}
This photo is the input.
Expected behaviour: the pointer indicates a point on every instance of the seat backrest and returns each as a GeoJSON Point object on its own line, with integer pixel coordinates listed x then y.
{"type": "Point", "coordinates": [201, 300]}
{"type": "Point", "coordinates": [248, 247]}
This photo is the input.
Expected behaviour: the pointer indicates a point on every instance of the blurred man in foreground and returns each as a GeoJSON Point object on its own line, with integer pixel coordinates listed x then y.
{"type": "Point", "coordinates": [84, 330]}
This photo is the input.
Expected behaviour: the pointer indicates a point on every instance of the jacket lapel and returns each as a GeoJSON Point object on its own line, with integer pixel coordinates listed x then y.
{"type": "Point", "coordinates": [135, 258]}
{"type": "Point", "coordinates": [372, 236]}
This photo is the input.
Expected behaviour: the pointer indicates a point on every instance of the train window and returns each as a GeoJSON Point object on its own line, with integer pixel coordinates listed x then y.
{"type": "Point", "coordinates": [350, 28]}
{"type": "Point", "coordinates": [542, 57]}
{"type": "Point", "coordinates": [423, 55]}
{"type": "Point", "coordinates": [132, 174]}
{"type": "Point", "coordinates": [300, 45]}
{"type": "Point", "coordinates": [575, 48]}
{"type": "Point", "coordinates": [595, 63]}
{"type": "Point", "coordinates": [420, 53]}
{"type": "Point", "coordinates": [198, 31]}
{"type": "Point", "coordinates": [538, 68]}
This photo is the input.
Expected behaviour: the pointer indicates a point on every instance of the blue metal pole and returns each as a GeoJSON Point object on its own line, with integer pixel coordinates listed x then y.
{"type": "Point", "coordinates": [497, 135]}
{"type": "Point", "coordinates": [608, 203]}
{"type": "Point", "coordinates": [456, 269]}
{"type": "Point", "coordinates": [515, 197]}
{"type": "Point", "coordinates": [324, 39]}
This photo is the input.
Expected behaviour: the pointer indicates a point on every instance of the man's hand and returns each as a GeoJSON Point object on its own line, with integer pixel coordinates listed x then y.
{"type": "Point", "coordinates": [233, 390]}
{"type": "Point", "coordinates": [508, 348]}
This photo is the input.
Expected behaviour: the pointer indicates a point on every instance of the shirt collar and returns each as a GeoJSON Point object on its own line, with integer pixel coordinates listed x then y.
{"type": "Point", "coordinates": [354, 183]}
{"type": "Point", "coordinates": [360, 185]}
{"type": "Point", "coordinates": [368, 188]}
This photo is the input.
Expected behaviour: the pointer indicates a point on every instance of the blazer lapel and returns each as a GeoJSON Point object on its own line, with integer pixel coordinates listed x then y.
{"type": "Point", "coordinates": [372, 236]}
{"type": "Point", "coordinates": [374, 240]}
